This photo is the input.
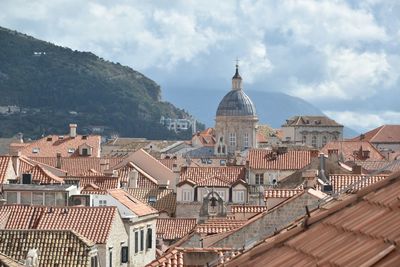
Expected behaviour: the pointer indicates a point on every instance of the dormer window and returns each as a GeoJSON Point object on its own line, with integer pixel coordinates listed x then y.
{"type": "Point", "coordinates": [61, 137]}
{"type": "Point", "coordinates": [71, 150]}
{"type": "Point", "coordinates": [35, 150]}
{"type": "Point", "coordinates": [49, 139]}
{"type": "Point", "coordinates": [85, 152]}
{"type": "Point", "coordinates": [152, 199]}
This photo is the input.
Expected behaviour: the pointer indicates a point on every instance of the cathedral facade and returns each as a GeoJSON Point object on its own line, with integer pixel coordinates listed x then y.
{"type": "Point", "coordinates": [236, 120]}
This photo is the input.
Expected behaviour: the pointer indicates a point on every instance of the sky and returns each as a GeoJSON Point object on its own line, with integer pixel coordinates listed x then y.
{"type": "Point", "coordinates": [341, 56]}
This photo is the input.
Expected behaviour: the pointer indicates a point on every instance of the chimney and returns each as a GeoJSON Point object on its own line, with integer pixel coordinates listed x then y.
{"type": "Point", "coordinates": [309, 178]}
{"type": "Point", "coordinates": [357, 169]}
{"type": "Point", "coordinates": [32, 258]}
{"type": "Point", "coordinates": [322, 168]}
{"type": "Point", "coordinates": [15, 160]}
{"type": "Point", "coordinates": [58, 161]}
{"type": "Point", "coordinates": [133, 179]}
{"type": "Point", "coordinates": [72, 130]}
{"type": "Point", "coordinates": [104, 165]}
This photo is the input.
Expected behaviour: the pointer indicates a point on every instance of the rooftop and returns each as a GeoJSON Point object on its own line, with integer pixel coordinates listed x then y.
{"type": "Point", "coordinates": [314, 121]}
{"type": "Point", "coordinates": [136, 206]}
{"type": "Point", "coordinates": [382, 134]}
{"type": "Point", "coordinates": [213, 176]}
{"type": "Point", "coordinates": [165, 199]}
{"type": "Point", "coordinates": [291, 160]}
{"type": "Point", "coordinates": [174, 228]}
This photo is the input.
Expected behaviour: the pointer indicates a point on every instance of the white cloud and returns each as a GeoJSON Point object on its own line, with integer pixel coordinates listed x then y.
{"type": "Point", "coordinates": [364, 121]}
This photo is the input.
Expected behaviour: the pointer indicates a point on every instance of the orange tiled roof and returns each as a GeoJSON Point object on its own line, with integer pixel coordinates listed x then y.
{"type": "Point", "coordinates": [24, 164]}
{"type": "Point", "coordinates": [144, 180]}
{"type": "Point", "coordinates": [5, 162]}
{"type": "Point", "coordinates": [340, 181]}
{"type": "Point", "coordinates": [78, 165]}
{"type": "Point", "coordinates": [174, 228]}
{"type": "Point", "coordinates": [94, 223]}
{"type": "Point", "coordinates": [169, 163]}
{"type": "Point", "coordinates": [55, 247]}
{"type": "Point", "coordinates": [215, 226]}
{"type": "Point", "coordinates": [380, 164]}
{"type": "Point", "coordinates": [165, 198]}
{"type": "Point", "coordinates": [359, 230]}
{"type": "Point", "coordinates": [43, 176]}
{"type": "Point", "coordinates": [282, 193]}
{"type": "Point", "coordinates": [133, 204]}
{"type": "Point", "coordinates": [93, 189]}
{"type": "Point", "coordinates": [248, 209]}
{"type": "Point", "coordinates": [312, 121]}
{"type": "Point", "coordinates": [382, 134]}
{"type": "Point", "coordinates": [50, 145]}
{"type": "Point", "coordinates": [103, 182]}
{"type": "Point", "coordinates": [206, 137]}
{"type": "Point", "coordinates": [213, 176]}
{"type": "Point", "coordinates": [350, 150]}
{"type": "Point", "coordinates": [292, 160]}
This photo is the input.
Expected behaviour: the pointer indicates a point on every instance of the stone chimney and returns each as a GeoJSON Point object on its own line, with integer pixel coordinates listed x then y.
{"type": "Point", "coordinates": [58, 161]}
{"type": "Point", "coordinates": [133, 179]}
{"type": "Point", "coordinates": [309, 178]}
{"type": "Point", "coordinates": [72, 130]}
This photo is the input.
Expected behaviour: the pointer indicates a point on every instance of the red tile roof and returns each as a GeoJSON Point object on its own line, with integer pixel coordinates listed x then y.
{"type": "Point", "coordinates": [341, 181]}
{"type": "Point", "coordinates": [312, 121]}
{"type": "Point", "coordinates": [351, 150]}
{"type": "Point", "coordinates": [80, 165]}
{"type": "Point", "coordinates": [50, 145]}
{"type": "Point", "coordinates": [165, 198]}
{"type": "Point", "coordinates": [169, 163]}
{"type": "Point", "coordinates": [103, 182]}
{"type": "Point", "coordinates": [263, 159]}
{"type": "Point", "coordinates": [94, 223]}
{"type": "Point", "coordinates": [282, 193]}
{"type": "Point", "coordinates": [206, 137]}
{"type": "Point", "coordinates": [358, 230]}
{"type": "Point", "coordinates": [144, 179]}
{"type": "Point", "coordinates": [215, 226]}
{"type": "Point", "coordinates": [382, 134]}
{"type": "Point", "coordinates": [42, 176]}
{"type": "Point", "coordinates": [55, 247]}
{"type": "Point", "coordinates": [133, 204]}
{"type": "Point", "coordinates": [248, 209]}
{"type": "Point", "coordinates": [174, 228]}
{"type": "Point", "coordinates": [5, 162]}
{"type": "Point", "coordinates": [388, 166]}
{"type": "Point", "coordinates": [213, 176]}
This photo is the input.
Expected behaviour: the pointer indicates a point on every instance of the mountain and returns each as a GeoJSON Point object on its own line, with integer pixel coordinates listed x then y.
{"type": "Point", "coordinates": [44, 87]}
{"type": "Point", "coordinates": [272, 108]}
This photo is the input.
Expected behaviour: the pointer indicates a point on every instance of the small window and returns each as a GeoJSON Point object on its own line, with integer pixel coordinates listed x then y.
{"type": "Point", "coordinates": [37, 198]}
{"type": "Point", "coordinates": [149, 238]}
{"type": "Point", "coordinates": [93, 261]}
{"type": "Point", "coordinates": [187, 195]}
{"type": "Point", "coordinates": [246, 140]}
{"type": "Point", "coordinates": [85, 152]}
{"type": "Point", "coordinates": [26, 197]}
{"type": "Point", "coordinates": [136, 242]}
{"type": "Point", "coordinates": [102, 202]}
{"type": "Point", "coordinates": [71, 150]}
{"type": "Point", "coordinates": [222, 162]}
{"type": "Point", "coordinates": [232, 139]}
{"type": "Point", "coordinates": [304, 141]}
{"type": "Point", "coordinates": [11, 197]}
{"type": "Point", "coordinates": [221, 194]}
{"type": "Point", "coordinates": [110, 258]}
{"type": "Point", "coordinates": [49, 199]}
{"type": "Point", "coordinates": [314, 141]}
{"type": "Point", "coordinates": [124, 254]}
{"type": "Point", "coordinates": [259, 178]}
{"type": "Point", "coordinates": [35, 150]}
{"type": "Point", "coordinates": [324, 141]}
{"type": "Point", "coordinates": [152, 199]}
{"type": "Point", "coordinates": [141, 240]}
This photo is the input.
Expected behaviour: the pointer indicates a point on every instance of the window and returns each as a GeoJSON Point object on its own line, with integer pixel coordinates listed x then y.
{"type": "Point", "coordinates": [141, 240]}
{"type": "Point", "coordinates": [85, 152]}
{"type": "Point", "coordinates": [93, 261]}
{"type": "Point", "coordinates": [136, 242]}
{"type": "Point", "coordinates": [221, 193]}
{"type": "Point", "coordinates": [314, 141]}
{"type": "Point", "coordinates": [187, 195]}
{"type": "Point", "coordinates": [232, 139]}
{"type": "Point", "coordinates": [102, 202]}
{"type": "Point", "coordinates": [239, 196]}
{"type": "Point", "coordinates": [110, 256]}
{"type": "Point", "coordinates": [37, 198]}
{"type": "Point", "coordinates": [35, 150]}
{"type": "Point", "coordinates": [71, 150]}
{"type": "Point", "coordinates": [124, 254]}
{"type": "Point", "coordinates": [324, 141]}
{"type": "Point", "coordinates": [149, 238]}
{"type": "Point", "coordinates": [60, 199]}
{"type": "Point", "coordinates": [11, 197]}
{"type": "Point", "coordinates": [26, 197]}
{"type": "Point", "coordinates": [260, 178]}
{"type": "Point", "coordinates": [246, 140]}
{"type": "Point", "coordinates": [152, 199]}
{"type": "Point", "coordinates": [304, 140]}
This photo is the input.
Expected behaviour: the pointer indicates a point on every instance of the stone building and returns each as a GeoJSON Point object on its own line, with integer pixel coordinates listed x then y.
{"type": "Point", "coordinates": [315, 131]}
{"type": "Point", "coordinates": [236, 120]}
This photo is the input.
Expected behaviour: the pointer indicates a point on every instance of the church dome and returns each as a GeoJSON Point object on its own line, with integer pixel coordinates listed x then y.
{"type": "Point", "coordinates": [236, 103]}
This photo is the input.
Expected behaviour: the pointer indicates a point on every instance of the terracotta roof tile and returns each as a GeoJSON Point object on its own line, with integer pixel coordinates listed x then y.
{"type": "Point", "coordinates": [341, 181]}
{"type": "Point", "coordinates": [5, 162]}
{"type": "Point", "coordinates": [312, 121]}
{"type": "Point", "coordinates": [282, 193]}
{"type": "Point", "coordinates": [79, 165]}
{"type": "Point", "coordinates": [169, 163]}
{"type": "Point", "coordinates": [377, 165]}
{"type": "Point", "coordinates": [55, 247]}
{"type": "Point", "coordinates": [144, 179]}
{"type": "Point", "coordinates": [215, 226]}
{"type": "Point", "coordinates": [103, 182]}
{"type": "Point", "coordinates": [265, 159]}
{"type": "Point", "coordinates": [94, 223]}
{"type": "Point", "coordinates": [248, 209]}
{"type": "Point", "coordinates": [358, 230]}
{"type": "Point", "coordinates": [352, 150]}
{"type": "Point", "coordinates": [42, 176]}
{"type": "Point", "coordinates": [174, 228]}
{"type": "Point", "coordinates": [213, 176]}
{"type": "Point", "coordinates": [133, 204]}
{"type": "Point", "coordinates": [382, 134]}
{"type": "Point", "coordinates": [165, 198]}
{"type": "Point", "coordinates": [50, 145]}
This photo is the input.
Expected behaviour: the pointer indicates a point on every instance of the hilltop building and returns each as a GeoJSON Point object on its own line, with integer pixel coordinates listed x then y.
{"type": "Point", "coordinates": [236, 120]}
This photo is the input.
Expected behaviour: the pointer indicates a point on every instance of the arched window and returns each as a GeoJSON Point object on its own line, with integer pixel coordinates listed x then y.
{"type": "Point", "coordinates": [232, 139]}
{"type": "Point", "coordinates": [324, 140]}
{"type": "Point", "coordinates": [219, 149]}
{"type": "Point", "coordinates": [314, 141]}
{"type": "Point", "coordinates": [246, 140]}
{"type": "Point", "coordinates": [304, 139]}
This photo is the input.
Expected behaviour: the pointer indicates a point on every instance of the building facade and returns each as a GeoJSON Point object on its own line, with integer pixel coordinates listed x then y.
{"type": "Point", "coordinates": [236, 120]}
